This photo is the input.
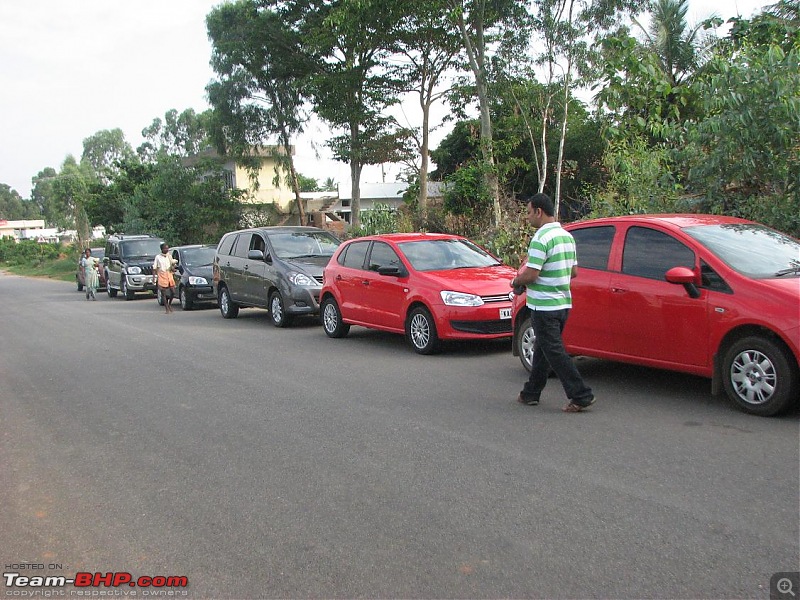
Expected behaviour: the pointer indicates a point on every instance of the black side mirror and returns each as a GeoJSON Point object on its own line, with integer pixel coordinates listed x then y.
{"type": "Point", "coordinates": [392, 270]}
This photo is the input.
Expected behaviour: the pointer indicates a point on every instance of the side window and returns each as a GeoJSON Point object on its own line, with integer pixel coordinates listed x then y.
{"type": "Point", "coordinates": [650, 253]}
{"type": "Point", "coordinates": [382, 255]}
{"type": "Point", "coordinates": [593, 245]}
{"type": "Point", "coordinates": [175, 255]}
{"type": "Point", "coordinates": [354, 255]}
{"type": "Point", "coordinates": [257, 243]}
{"type": "Point", "coordinates": [226, 245]}
{"type": "Point", "coordinates": [242, 246]}
{"type": "Point", "coordinates": [711, 279]}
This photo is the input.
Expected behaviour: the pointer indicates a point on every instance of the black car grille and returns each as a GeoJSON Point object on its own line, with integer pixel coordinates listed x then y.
{"type": "Point", "coordinates": [495, 298]}
{"type": "Point", "coordinates": [483, 327]}
{"type": "Point", "coordinates": [147, 270]}
{"type": "Point", "coordinates": [318, 279]}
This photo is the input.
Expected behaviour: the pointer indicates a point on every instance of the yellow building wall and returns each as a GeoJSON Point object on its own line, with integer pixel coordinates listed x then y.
{"type": "Point", "coordinates": [267, 191]}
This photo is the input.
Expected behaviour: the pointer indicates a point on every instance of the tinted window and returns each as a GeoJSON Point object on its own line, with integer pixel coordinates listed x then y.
{"type": "Point", "coordinates": [303, 244]}
{"type": "Point", "coordinates": [141, 248]}
{"type": "Point", "coordinates": [711, 279]}
{"type": "Point", "coordinates": [382, 255]}
{"type": "Point", "coordinates": [198, 257]}
{"type": "Point", "coordinates": [593, 245]}
{"type": "Point", "coordinates": [354, 255]}
{"type": "Point", "coordinates": [242, 246]}
{"type": "Point", "coordinates": [443, 254]}
{"type": "Point", "coordinates": [226, 245]}
{"type": "Point", "coordinates": [650, 253]}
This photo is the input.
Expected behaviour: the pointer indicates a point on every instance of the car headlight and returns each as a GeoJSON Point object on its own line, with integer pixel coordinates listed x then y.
{"type": "Point", "coordinates": [198, 281]}
{"type": "Point", "coordinates": [460, 299]}
{"type": "Point", "coordinates": [134, 270]}
{"type": "Point", "coordinates": [302, 279]}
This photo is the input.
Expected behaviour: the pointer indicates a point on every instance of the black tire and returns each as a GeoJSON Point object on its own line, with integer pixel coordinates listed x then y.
{"type": "Point", "coordinates": [80, 285]}
{"type": "Point", "coordinates": [421, 331]}
{"type": "Point", "coordinates": [186, 304]}
{"type": "Point", "coordinates": [759, 376]}
{"type": "Point", "coordinates": [159, 297]}
{"type": "Point", "coordinates": [123, 289]}
{"type": "Point", "coordinates": [112, 292]}
{"type": "Point", "coordinates": [228, 308]}
{"type": "Point", "coordinates": [524, 341]}
{"type": "Point", "coordinates": [277, 310]}
{"type": "Point", "coordinates": [331, 318]}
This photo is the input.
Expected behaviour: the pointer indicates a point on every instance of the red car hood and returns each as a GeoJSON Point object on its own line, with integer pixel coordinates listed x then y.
{"type": "Point", "coordinates": [483, 281]}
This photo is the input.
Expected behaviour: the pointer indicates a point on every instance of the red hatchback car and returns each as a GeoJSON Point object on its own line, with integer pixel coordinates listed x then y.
{"type": "Point", "coordinates": [713, 296]}
{"type": "Point", "coordinates": [429, 286]}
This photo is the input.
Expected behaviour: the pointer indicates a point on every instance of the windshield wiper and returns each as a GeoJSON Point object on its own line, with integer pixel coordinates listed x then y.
{"type": "Point", "coordinates": [788, 271]}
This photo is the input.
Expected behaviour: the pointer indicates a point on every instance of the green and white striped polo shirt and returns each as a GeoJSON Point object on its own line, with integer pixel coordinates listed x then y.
{"type": "Point", "coordinates": [552, 252]}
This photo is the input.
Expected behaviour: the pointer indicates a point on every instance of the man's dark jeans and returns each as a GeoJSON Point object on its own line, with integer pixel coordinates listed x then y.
{"type": "Point", "coordinates": [549, 353]}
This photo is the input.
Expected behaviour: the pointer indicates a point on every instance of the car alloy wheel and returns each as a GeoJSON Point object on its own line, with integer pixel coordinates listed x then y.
{"type": "Point", "coordinates": [332, 321]}
{"type": "Point", "coordinates": [123, 289]}
{"type": "Point", "coordinates": [525, 339]}
{"type": "Point", "coordinates": [277, 310]}
{"type": "Point", "coordinates": [159, 297]}
{"type": "Point", "coordinates": [186, 304]}
{"type": "Point", "coordinates": [227, 307]}
{"type": "Point", "coordinates": [421, 331]}
{"type": "Point", "coordinates": [759, 377]}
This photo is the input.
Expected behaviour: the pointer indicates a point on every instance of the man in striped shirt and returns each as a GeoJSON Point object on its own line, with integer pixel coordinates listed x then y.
{"type": "Point", "coordinates": [551, 265]}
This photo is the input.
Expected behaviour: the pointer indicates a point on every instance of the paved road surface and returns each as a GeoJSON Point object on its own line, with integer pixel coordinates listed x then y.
{"type": "Point", "coordinates": [261, 463]}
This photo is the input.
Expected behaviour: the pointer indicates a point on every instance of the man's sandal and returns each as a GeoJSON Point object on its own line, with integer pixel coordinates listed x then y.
{"type": "Point", "coordinates": [576, 408]}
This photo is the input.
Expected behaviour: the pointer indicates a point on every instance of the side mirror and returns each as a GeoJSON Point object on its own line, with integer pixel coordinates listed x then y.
{"type": "Point", "coordinates": [390, 270]}
{"type": "Point", "coordinates": [686, 277]}
{"type": "Point", "coordinates": [255, 255]}
{"type": "Point", "coordinates": [180, 268]}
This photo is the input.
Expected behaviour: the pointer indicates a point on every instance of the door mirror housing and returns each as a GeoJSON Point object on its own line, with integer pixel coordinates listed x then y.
{"type": "Point", "coordinates": [686, 277]}
{"type": "Point", "coordinates": [255, 255]}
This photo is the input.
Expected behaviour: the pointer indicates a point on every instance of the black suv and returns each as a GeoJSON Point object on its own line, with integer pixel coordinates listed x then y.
{"type": "Point", "coordinates": [128, 264]}
{"type": "Point", "coordinates": [277, 268]}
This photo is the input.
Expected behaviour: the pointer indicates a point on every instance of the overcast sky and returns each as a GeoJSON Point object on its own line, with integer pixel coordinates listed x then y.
{"type": "Point", "coordinates": [71, 68]}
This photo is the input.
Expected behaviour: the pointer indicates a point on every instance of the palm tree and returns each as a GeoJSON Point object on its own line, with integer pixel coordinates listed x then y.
{"type": "Point", "coordinates": [672, 40]}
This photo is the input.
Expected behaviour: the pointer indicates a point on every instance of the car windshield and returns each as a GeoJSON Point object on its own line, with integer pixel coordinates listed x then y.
{"type": "Point", "coordinates": [146, 248]}
{"type": "Point", "coordinates": [198, 257]}
{"type": "Point", "coordinates": [440, 255]}
{"type": "Point", "coordinates": [303, 244]}
{"type": "Point", "coordinates": [753, 250]}
{"type": "Point", "coordinates": [98, 252]}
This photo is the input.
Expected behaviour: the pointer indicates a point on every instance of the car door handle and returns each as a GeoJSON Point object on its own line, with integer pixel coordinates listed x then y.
{"type": "Point", "coordinates": [338, 278]}
{"type": "Point", "coordinates": [246, 267]}
{"type": "Point", "coordinates": [365, 282]}
{"type": "Point", "coordinates": [618, 290]}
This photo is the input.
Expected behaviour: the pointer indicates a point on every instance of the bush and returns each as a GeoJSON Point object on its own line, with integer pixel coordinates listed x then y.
{"type": "Point", "coordinates": [27, 252]}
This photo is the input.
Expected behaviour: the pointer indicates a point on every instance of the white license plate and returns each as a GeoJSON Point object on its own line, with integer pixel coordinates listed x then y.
{"type": "Point", "coordinates": [505, 313]}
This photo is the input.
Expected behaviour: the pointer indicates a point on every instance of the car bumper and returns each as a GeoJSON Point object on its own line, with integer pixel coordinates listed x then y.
{"type": "Point", "coordinates": [304, 301]}
{"type": "Point", "coordinates": [140, 283]}
{"type": "Point", "coordinates": [489, 321]}
{"type": "Point", "coordinates": [203, 294]}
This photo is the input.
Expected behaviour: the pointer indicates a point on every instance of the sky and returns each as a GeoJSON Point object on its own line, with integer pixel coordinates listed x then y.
{"type": "Point", "coordinates": [71, 68]}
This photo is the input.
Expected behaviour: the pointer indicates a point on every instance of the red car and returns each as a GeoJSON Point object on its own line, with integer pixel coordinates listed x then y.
{"type": "Point", "coordinates": [709, 295]}
{"type": "Point", "coordinates": [429, 286]}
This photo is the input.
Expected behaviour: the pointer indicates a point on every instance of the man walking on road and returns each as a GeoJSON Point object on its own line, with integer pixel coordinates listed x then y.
{"type": "Point", "coordinates": [551, 265]}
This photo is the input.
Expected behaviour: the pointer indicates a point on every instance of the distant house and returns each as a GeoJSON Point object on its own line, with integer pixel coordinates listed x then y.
{"type": "Point", "coordinates": [263, 190]}
{"type": "Point", "coordinates": [371, 194]}
{"type": "Point", "coordinates": [23, 229]}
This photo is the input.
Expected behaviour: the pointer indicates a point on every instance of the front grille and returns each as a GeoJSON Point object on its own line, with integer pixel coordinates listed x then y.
{"type": "Point", "coordinates": [483, 327]}
{"type": "Point", "coordinates": [495, 298]}
{"type": "Point", "coordinates": [318, 279]}
{"type": "Point", "coordinates": [147, 270]}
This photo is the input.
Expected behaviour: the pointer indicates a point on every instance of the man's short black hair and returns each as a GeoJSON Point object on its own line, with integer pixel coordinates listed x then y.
{"type": "Point", "coordinates": [542, 201]}
{"type": "Point", "coordinates": [164, 246]}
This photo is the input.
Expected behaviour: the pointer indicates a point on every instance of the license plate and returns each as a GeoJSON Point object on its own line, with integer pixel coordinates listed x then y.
{"type": "Point", "coordinates": [505, 313]}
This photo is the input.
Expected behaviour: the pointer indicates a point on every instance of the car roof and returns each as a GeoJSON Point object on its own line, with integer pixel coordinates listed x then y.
{"type": "Point", "coordinates": [676, 220]}
{"type": "Point", "coordinates": [409, 237]}
{"type": "Point", "coordinates": [190, 246]}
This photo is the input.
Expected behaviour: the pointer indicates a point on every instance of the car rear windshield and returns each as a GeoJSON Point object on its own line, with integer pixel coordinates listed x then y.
{"type": "Point", "coordinates": [753, 250]}
{"type": "Point", "coordinates": [303, 244]}
{"type": "Point", "coordinates": [145, 248]}
{"type": "Point", "coordinates": [441, 255]}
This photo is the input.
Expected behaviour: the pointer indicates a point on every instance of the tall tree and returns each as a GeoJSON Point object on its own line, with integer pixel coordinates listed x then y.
{"type": "Point", "coordinates": [259, 93]}
{"type": "Point", "coordinates": [104, 151]}
{"type": "Point", "coordinates": [13, 207]}
{"type": "Point", "coordinates": [178, 134]}
{"type": "Point", "coordinates": [71, 193]}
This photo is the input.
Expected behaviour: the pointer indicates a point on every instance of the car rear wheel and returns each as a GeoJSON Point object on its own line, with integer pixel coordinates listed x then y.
{"type": "Point", "coordinates": [421, 331]}
{"type": "Point", "coordinates": [277, 311]}
{"type": "Point", "coordinates": [227, 307]}
{"type": "Point", "coordinates": [80, 285]}
{"type": "Point", "coordinates": [332, 321]}
{"type": "Point", "coordinates": [186, 304]}
{"type": "Point", "coordinates": [759, 377]}
{"type": "Point", "coordinates": [525, 340]}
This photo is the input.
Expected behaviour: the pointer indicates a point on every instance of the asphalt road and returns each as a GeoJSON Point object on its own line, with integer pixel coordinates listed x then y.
{"type": "Point", "coordinates": [267, 463]}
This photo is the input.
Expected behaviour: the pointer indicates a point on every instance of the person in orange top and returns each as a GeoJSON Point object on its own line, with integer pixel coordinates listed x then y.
{"type": "Point", "coordinates": [163, 267]}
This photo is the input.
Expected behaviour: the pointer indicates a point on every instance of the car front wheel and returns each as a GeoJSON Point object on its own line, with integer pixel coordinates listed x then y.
{"type": "Point", "coordinates": [525, 340]}
{"type": "Point", "coordinates": [227, 307]}
{"type": "Point", "coordinates": [186, 304]}
{"type": "Point", "coordinates": [159, 297]}
{"type": "Point", "coordinates": [80, 285]}
{"type": "Point", "coordinates": [759, 376]}
{"type": "Point", "coordinates": [421, 331]}
{"type": "Point", "coordinates": [277, 310]}
{"type": "Point", "coordinates": [332, 321]}
{"type": "Point", "coordinates": [123, 289]}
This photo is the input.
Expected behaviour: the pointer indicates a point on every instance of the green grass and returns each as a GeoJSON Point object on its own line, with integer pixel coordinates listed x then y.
{"type": "Point", "coordinates": [62, 269]}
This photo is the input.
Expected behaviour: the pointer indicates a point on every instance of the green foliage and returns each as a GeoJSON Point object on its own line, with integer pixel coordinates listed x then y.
{"type": "Point", "coordinates": [466, 192]}
{"type": "Point", "coordinates": [27, 252]}
{"type": "Point", "coordinates": [13, 207]}
{"type": "Point", "coordinates": [381, 219]}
